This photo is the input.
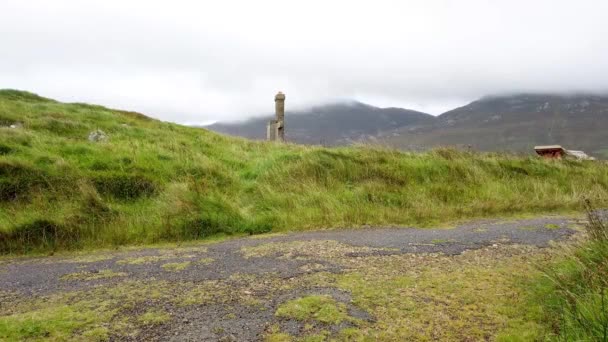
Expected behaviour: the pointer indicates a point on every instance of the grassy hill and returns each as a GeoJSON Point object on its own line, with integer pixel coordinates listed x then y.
{"type": "Point", "coordinates": [154, 181]}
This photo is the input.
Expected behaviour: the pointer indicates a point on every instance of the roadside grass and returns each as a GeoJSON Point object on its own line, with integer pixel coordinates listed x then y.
{"type": "Point", "coordinates": [155, 182]}
{"type": "Point", "coordinates": [573, 293]}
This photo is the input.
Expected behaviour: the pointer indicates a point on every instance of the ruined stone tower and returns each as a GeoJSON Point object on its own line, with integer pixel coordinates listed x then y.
{"type": "Point", "coordinates": [276, 128]}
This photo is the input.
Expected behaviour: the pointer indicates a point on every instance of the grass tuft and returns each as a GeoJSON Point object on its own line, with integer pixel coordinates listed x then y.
{"type": "Point", "coordinates": [324, 309]}
{"type": "Point", "coordinates": [123, 186]}
{"type": "Point", "coordinates": [18, 181]}
{"type": "Point", "coordinates": [38, 234]}
{"type": "Point", "coordinates": [176, 266]}
{"type": "Point", "coordinates": [154, 317]}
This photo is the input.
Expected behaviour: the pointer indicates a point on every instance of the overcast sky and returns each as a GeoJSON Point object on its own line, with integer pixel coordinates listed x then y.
{"type": "Point", "coordinates": [201, 61]}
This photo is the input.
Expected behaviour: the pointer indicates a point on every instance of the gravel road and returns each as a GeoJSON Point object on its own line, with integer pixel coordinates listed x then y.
{"type": "Point", "coordinates": [283, 256]}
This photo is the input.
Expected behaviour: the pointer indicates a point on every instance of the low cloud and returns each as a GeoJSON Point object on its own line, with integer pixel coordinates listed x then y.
{"type": "Point", "coordinates": [202, 61]}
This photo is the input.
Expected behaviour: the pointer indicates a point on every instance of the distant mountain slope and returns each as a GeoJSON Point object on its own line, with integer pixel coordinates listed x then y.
{"type": "Point", "coordinates": [335, 124]}
{"type": "Point", "coordinates": [516, 123]}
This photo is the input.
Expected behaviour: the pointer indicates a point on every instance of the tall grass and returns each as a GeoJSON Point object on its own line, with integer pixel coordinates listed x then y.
{"type": "Point", "coordinates": [156, 181]}
{"type": "Point", "coordinates": [574, 293]}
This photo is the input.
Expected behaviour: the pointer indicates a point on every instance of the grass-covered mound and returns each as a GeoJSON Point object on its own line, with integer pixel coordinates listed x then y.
{"type": "Point", "coordinates": [153, 181]}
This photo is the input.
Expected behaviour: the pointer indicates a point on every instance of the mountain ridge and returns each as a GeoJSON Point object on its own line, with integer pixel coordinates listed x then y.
{"type": "Point", "coordinates": [516, 123]}
{"type": "Point", "coordinates": [330, 124]}
{"type": "Point", "coordinates": [508, 122]}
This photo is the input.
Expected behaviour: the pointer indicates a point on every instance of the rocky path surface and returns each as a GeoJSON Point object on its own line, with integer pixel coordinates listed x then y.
{"type": "Point", "coordinates": [261, 270]}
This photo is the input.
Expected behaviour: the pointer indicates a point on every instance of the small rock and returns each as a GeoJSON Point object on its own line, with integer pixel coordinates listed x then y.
{"type": "Point", "coordinates": [16, 125]}
{"type": "Point", "coordinates": [185, 321]}
{"type": "Point", "coordinates": [97, 136]}
{"type": "Point", "coordinates": [494, 245]}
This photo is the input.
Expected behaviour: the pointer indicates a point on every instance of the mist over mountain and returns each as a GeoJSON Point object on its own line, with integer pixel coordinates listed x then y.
{"type": "Point", "coordinates": [492, 123]}
{"type": "Point", "coordinates": [333, 124]}
{"type": "Point", "coordinates": [516, 123]}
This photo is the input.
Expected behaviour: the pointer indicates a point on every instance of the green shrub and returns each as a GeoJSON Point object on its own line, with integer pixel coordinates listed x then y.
{"type": "Point", "coordinates": [124, 186]}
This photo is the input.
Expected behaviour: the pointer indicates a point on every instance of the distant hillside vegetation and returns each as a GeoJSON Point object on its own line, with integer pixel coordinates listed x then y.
{"type": "Point", "coordinates": [335, 124]}
{"type": "Point", "coordinates": [140, 180]}
{"type": "Point", "coordinates": [517, 123]}
{"type": "Point", "coordinates": [513, 123]}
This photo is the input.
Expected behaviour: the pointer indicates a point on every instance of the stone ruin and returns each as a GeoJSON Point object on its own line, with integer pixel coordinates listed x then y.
{"type": "Point", "coordinates": [275, 131]}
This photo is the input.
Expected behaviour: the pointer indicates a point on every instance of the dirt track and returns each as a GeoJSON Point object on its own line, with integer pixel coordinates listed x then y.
{"type": "Point", "coordinates": [256, 270]}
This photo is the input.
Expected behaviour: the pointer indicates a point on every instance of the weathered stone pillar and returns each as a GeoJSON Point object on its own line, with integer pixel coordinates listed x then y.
{"type": "Point", "coordinates": [275, 130]}
{"type": "Point", "coordinates": [279, 108]}
{"type": "Point", "coordinates": [271, 130]}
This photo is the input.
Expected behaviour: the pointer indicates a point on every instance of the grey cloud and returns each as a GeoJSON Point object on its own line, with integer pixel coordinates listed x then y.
{"type": "Point", "coordinates": [200, 61]}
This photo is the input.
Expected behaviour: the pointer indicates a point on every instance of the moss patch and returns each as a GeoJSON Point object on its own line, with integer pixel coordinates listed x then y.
{"type": "Point", "coordinates": [434, 297]}
{"type": "Point", "coordinates": [205, 261]}
{"type": "Point", "coordinates": [324, 309]}
{"type": "Point", "coordinates": [278, 337]}
{"type": "Point", "coordinates": [176, 266]}
{"type": "Point", "coordinates": [57, 323]}
{"type": "Point", "coordinates": [154, 317]}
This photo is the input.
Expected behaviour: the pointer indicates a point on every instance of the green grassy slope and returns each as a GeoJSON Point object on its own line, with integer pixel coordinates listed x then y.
{"type": "Point", "coordinates": [155, 181]}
